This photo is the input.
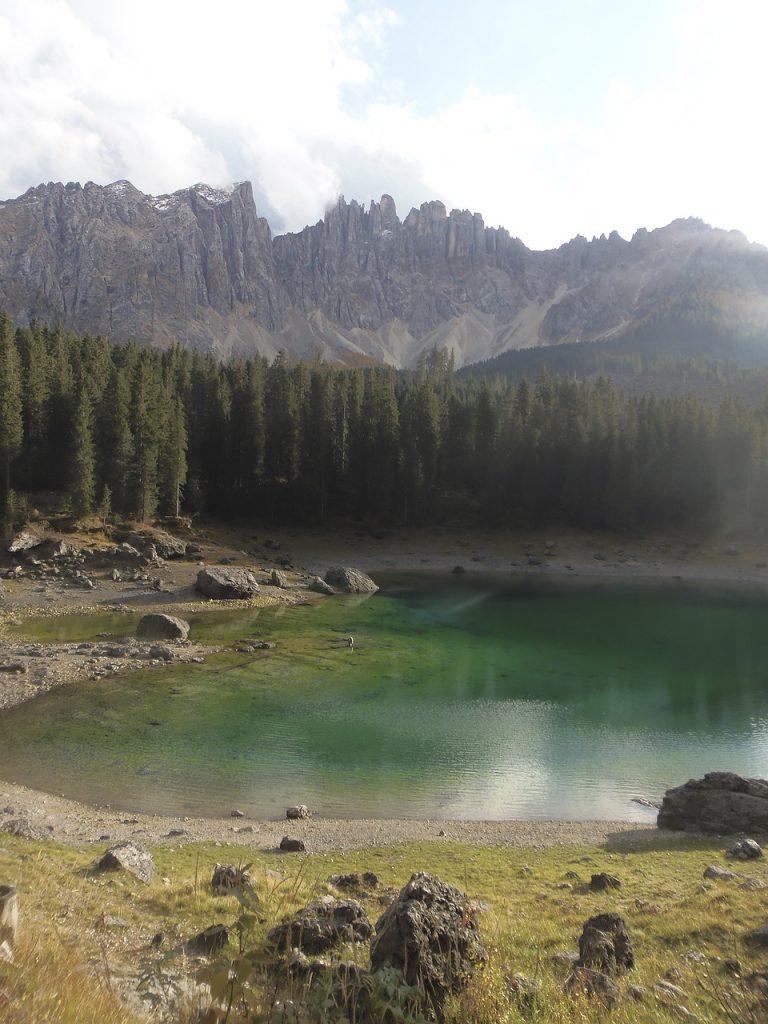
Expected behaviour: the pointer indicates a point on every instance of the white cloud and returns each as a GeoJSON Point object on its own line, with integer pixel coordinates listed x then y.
{"type": "Point", "coordinates": [167, 93]}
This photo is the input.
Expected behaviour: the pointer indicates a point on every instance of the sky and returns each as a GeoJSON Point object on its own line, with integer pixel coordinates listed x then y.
{"type": "Point", "coordinates": [550, 117]}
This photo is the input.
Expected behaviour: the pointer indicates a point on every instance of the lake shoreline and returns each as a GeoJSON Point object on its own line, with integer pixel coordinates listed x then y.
{"type": "Point", "coordinates": [71, 822]}
{"type": "Point", "coordinates": [569, 560]}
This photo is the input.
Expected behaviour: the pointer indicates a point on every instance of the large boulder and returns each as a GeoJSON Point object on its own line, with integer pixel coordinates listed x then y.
{"type": "Point", "coordinates": [24, 540]}
{"type": "Point", "coordinates": [430, 933]}
{"type": "Point", "coordinates": [157, 542]}
{"type": "Point", "coordinates": [128, 857]}
{"type": "Point", "coordinates": [720, 802]}
{"type": "Point", "coordinates": [321, 925]}
{"type": "Point", "coordinates": [350, 581]}
{"type": "Point", "coordinates": [162, 627]}
{"type": "Point", "coordinates": [227, 584]}
{"type": "Point", "coordinates": [54, 549]}
{"type": "Point", "coordinates": [605, 945]}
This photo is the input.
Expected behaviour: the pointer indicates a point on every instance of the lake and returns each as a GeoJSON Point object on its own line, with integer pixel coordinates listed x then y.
{"type": "Point", "coordinates": [463, 697]}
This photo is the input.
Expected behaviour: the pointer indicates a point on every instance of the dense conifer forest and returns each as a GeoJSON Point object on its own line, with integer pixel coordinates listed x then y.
{"type": "Point", "coordinates": [136, 431]}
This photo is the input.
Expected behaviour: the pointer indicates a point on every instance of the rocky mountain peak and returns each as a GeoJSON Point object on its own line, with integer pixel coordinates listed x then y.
{"type": "Point", "coordinates": [199, 265]}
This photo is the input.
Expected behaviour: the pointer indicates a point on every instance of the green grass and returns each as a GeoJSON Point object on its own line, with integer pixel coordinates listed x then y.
{"type": "Point", "coordinates": [529, 917]}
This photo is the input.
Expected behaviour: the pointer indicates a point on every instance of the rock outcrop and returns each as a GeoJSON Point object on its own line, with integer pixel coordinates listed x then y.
{"type": "Point", "coordinates": [430, 933]}
{"type": "Point", "coordinates": [227, 584]}
{"type": "Point", "coordinates": [201, 266]}
{"type": "Point", "coordinates": [720, 802]}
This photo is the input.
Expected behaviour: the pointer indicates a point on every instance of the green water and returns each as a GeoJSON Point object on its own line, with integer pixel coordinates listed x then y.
{"type": "Point", "coordinates": [464, 698]}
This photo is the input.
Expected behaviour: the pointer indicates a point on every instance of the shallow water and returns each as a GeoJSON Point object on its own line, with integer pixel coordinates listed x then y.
{"type": "Point", "coordinates": [463, 698]}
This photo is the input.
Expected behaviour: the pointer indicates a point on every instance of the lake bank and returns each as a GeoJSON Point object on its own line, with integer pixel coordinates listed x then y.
{"type": "Point", "coordinates": [305, 646]}
{"type": "Point", "coordinates": [74, 823]}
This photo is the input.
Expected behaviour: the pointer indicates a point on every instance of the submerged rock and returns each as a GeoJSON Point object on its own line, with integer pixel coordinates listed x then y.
{"type": "Point", "coordinates": [162, 627]}
{"type": "Point", "coordinates": [720, 802]}
{"type": "Point", "coordinates": [227, 584]}
{"type": "Point", "coordinates": [350, 581]}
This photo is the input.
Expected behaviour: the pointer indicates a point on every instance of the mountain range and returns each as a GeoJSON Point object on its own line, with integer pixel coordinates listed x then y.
{"type": "Point", "coordinates": [200, 266]}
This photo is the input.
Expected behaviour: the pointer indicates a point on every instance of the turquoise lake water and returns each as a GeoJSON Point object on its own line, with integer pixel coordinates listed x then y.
{"type": "Point", "coordinates": [464, 697]}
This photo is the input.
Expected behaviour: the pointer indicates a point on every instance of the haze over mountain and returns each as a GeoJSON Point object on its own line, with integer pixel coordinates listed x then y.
{"type": "Point", "coordinates": [201, 266]}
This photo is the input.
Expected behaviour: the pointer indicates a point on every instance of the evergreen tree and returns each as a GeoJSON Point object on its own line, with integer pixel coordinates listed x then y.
{"type": "Point", "coordinates": [11, 421]}
{"type": "Point", "coordinates": [173, 457]}
{"type": "Point", "coordinates": [82, 486]}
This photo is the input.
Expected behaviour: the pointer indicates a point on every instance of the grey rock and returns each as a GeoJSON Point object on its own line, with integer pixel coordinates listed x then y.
{"type": "Point", "coordinates": [297, 813]}
{"type": "Point", "coordinates": [9, 914]}
{"type": "Point", "coordinates": [751, 884]}
{"type": "Point", "coordinates": [279, 579]}
{"type": "Point", "coordinates": [130, 857]}
{"type": "Point", "coordinates": [227, 878]}
{"type": "Point", "coordinates": [227, 583]}
{"type": "Point", "coordinates": [25, 829]}
{"type": "Point", "coordinates": [720, 802]}
{"type": "Point", "coordinates": [209, 941]}
{"type": "Point", "coordinates": [759, 936]}
{"type": "Point", "coordinates": [24, 540]}
{"type": "Point", "coordinates": [718, 873]}
{"type": "Point", "coordinates": [162, 627]}
{"type": "Point", "coordinates": [350, 581]}
{"type": "Point", "coordinates": [605, 945]}
{"type": "Point", "coordinates": [602, 881]}
{"type": "Point", "coordinates": [320, 925]}
{"type": "Point", "coordinates": [594, 985]}
{"type": "Point", "coordinates": [125, 553]}
{"type": "Point", "coordinates": [430, 932]}
{"type": "Point", "coordinates": [160, 653]}
{"type": "Point", "coordinates": [318, 586]}
{"type": "Point", "coordinates": [355, 880]}
{"type": "Point", "coordinates": [745, 849]}
{"type": "Point", "coordinates": [669, 993]}
{"type": "Point", "coordinates": [289, 845]}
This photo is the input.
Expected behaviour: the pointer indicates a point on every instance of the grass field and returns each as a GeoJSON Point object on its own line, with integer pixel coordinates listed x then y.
{"type": "Point", "coordinates": [86, 937]}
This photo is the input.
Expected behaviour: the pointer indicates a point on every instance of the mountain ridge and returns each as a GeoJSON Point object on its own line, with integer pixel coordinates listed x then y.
{"type": "Point", "coordinates": [200, 266]}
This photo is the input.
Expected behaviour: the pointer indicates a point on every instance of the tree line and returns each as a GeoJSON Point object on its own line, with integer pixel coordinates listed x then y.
{"type": "Point", "coordinates": [135, 431]}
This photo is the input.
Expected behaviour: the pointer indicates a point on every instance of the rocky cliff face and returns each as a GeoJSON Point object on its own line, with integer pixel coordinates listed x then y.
{"type": "Point", "coordinates": [202, 267]}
